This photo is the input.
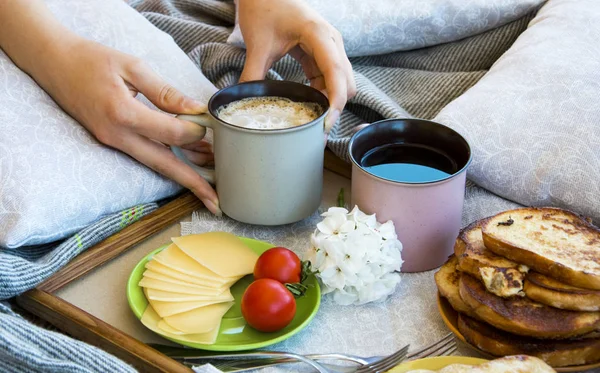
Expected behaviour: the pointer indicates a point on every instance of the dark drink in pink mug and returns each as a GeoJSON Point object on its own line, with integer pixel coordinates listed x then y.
{"type": "Point", "coordinates": [413, 172]}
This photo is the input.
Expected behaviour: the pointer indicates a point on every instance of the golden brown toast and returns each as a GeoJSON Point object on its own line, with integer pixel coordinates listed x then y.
{"type": "Point", "coordinates": [446, 279]}
{"type": "Point", "coordinates": [521, 315]}
{"type": "Point", "coordinates": [500, 343]}
{"type": "Point", "coordinates": [500, 276]}
{"type": "Point", "coordinates": [546, 290]}
{"type": "Point", "coordinates": [552, 241]}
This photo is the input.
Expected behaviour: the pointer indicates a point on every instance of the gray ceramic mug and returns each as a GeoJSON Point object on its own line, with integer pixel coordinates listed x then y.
{"type": "Point", "coordinates": [266, 177]}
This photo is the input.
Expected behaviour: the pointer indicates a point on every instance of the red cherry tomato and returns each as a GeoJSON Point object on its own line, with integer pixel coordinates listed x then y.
{"type": "Point", "coordinates": [268, 306]}
{"type": "Point", "coordinates": [278, 263]}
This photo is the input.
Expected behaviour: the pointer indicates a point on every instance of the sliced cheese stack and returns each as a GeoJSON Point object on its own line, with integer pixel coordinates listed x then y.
{"type": "Point", "coordinates": [188, 285]}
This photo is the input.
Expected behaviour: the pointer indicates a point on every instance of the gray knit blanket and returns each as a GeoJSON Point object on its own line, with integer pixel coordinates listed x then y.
{"type": "Point", "coordinates": [415, 83]}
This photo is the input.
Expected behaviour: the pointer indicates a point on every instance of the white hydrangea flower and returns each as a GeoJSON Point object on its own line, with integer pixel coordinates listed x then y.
{"type": "Point", "coordinates": [345, 298]}
{"type": "Point", "coordinates": [335, 211]}
{"type": "Point", "coordinates": [388, 231]}
{"type": "Point", "coordinates": [336, 224]}
{"type": "Point", "coordinates": [355, 257]}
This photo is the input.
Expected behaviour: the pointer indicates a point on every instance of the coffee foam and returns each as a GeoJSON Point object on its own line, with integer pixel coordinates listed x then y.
{"type": "Point", "coordinates": [269, 112]}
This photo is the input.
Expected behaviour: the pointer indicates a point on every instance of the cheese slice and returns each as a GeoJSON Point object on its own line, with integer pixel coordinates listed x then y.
{"type": "Point", "coordinates": [221, 252]}
{"type": "Point", "coordinates": [159, 276]}
{"type": "Point", "coordinates": [199, 320]}
{"type": "Point", "coordinates": [150, 319]}
{"type": "Point", "coordinates": [174, 258]}
{"type": "Point", "coordinates": [158, 267]}
{"type": "Point", "coordinates": [152, 283]}
{"type": "Point", "coordinates": [167, 296]}
{"type": "Point", "coordinates": [164, 309]}
{"type": "Point", "coordinates": [162, 325]}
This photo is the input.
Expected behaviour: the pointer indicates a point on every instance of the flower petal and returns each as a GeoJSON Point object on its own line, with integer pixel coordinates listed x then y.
{"type": "Point", "coordinates": [324, 227]}
{"type": "Point", "coordinates": [333, 277]}
{"type": "Point", "coordinates": [388, 230]}
{"type": "Point", "coordinates": [337, 211]}
{"type": "Point", "coordinates": [345, 298]}
{"type": "Point", "coordinates": [347, 226]}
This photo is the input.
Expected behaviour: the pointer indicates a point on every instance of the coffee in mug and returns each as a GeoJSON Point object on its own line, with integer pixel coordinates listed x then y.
{"type": "Point", "coordinates": [269, 112]}
{"type": "Point", "coordinates": [269, 160]}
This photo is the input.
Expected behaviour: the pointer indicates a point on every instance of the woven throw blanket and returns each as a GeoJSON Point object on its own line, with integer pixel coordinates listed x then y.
{"type": "Point", "coordinates": [417, 83]}
{"type": "Point", "coordinates": [25, 347]}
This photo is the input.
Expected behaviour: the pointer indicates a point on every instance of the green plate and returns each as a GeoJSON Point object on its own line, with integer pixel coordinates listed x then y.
{"type": "Point", "coordinates": [235, 334]}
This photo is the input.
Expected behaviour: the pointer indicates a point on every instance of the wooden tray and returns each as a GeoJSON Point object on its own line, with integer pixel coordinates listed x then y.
{"type": "Point", "coordinates": [43, 302]}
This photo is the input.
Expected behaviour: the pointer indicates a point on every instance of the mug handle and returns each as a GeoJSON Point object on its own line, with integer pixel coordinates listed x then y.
{"type": "Point", "coordinates": [203, 120]}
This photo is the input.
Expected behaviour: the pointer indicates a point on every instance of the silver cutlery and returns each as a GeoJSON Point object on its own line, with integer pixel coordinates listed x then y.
{"type": "Point", "coordinates": [381, 365]}
{"type": "Point", "coordinates": [443, 347]}
{"type": "Point", "coordinates": [265, 355]}
{"type": "Point", "coordinates": [239, 362]}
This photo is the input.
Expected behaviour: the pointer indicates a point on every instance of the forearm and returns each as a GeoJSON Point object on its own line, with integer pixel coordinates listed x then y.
{"type": "Point", "coordinates": [32, 37]}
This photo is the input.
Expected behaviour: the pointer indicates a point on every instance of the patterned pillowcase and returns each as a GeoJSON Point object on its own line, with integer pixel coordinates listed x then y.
{"type": "Point", "coordinates": [55, 178]}
{"type": "Point", "coordinates": [385, 26]}
{"type": "Point", "coordinates": [534, 120]}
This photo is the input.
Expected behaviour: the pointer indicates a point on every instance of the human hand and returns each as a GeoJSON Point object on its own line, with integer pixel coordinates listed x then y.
{"type": "Point", "coordinates": [97, 85]}
{"type": "Point", "coordinates": [273, 28]}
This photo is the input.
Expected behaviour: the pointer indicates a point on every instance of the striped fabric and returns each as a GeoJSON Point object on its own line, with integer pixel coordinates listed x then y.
{"type": "Point", "coordinates": [415, 83]}
{"type": "Point", "coordinates": [23, 268]}
{"type": "Point", "coordinates": [25, 347]}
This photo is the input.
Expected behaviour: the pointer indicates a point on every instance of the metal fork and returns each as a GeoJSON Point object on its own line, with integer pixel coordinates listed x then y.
{"type": "Point", "coordinates": [381, 365]}
{"type": "Point", "coordinates": [442, 347]}
{"type": "Point", "coordinates": [384, 364]}
{"type": "Point", "coordinates": [264, 356]}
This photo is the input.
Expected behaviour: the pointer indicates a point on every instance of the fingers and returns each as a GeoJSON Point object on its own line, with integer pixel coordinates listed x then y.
{"type": "Point", "coordinates": [335, 81]}
{"type": "Point", "coordinates": [161, 127]}
{"type": "Point", "coordinates": [201, 146]}
{"type": "Point", "coordinates": [160, 93]}
{"type": "Point", "coordinates": [199, 158]}
{"type": "Point", "coordinates": [350, 82]}
{"type": "Point", "coordinates": [333, 64]}
{"type": "Point", "coordinates": [258, 62]}
{"type": "Point", "coordinates": [162, 160]}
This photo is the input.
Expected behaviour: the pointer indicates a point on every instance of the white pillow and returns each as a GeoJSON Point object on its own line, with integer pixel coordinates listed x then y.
{"type": "Point", "coordinates": [385, 26]}
{"type": "Point", "coordinates": [534, 119]}
{"type": "Point", "coordinates": [55, 178]}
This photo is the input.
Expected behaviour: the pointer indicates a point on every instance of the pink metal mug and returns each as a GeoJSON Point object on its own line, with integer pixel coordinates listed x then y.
{"type": "Point", "coordinates": [427, 215]}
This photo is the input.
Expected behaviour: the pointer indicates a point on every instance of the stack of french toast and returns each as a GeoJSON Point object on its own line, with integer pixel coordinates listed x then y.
{"type": "Point", "coordinates": [527, 281]}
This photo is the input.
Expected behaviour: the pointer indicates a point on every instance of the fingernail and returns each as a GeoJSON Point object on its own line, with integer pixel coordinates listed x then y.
{"type": "Point", "coordinates": [195, 106]}
{"type": "Point", "coordinates": [214, 206]}
{"type": "Point", "coordinates": [198, 133]}
{"type": "Point", "coordinates": [331, 119]}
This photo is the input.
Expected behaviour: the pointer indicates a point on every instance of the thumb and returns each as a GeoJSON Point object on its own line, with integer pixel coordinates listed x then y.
{"type": "Point", "coordinates": [256, 66]}
{"type": "Point", "coordinates": [160, 93]}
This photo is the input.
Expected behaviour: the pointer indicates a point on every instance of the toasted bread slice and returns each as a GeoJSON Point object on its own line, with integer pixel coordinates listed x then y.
{"type": "Point", "coordinates": [521, 315]}
{"type": "Point", "coordinates": [500, 276]}
{"type": "Point", "coordinates": [446, 279]}
{"type": "Point", "coordinates": [554, 242]}
{"type": "Point", "coordinates": [500, 343]}
{"type": "Point", "coordinates": [548, 291]}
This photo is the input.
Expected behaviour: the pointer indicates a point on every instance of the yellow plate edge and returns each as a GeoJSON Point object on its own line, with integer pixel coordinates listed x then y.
{"type": "Point", "coordinates": [435, 363]}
